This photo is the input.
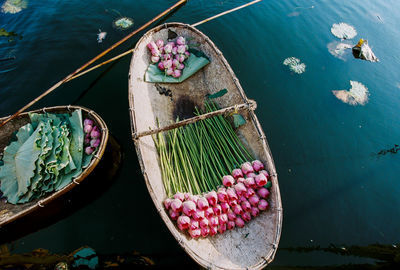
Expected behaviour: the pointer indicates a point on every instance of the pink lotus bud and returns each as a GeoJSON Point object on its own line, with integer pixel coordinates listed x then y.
{"type": "Point", "coordinates": [264, 172]}
{"type": "Point", "coordinates": [208, 212]}
{"type": "Point", "coordinates": [261, 180]}
{"type": "Point", "coordinates": [177, 73]}
{"type": "Point", "coordinates": [228, 181]}
{"type": "Point", "coordinates": [205, 231]}
{"type": "Point", "coordinates": [151, 45]}
{"type": "Point", "coordinates": [231, 215]}
{"type": "Point", "coordinates": [181, 66]}
{"type": "Point", "coordinates": [263, 192]}
{"type": "Point", "coordinates": [160, 43]}
{"type": "Point", "coordinates": [231, 225]}
{"type": "Point", "coordinates": [155, 59]}
{"type": "Point", "coordinates": [173, 214]}
{"type": "Point", "coordinates": [231, 194]}
{"type": "Point", "coordinates": [250, 182]}
{"type": "Point", "coordinates": [242, 199]}
{"type": "Point", "coordinates": [183, 222]}
{"type": "Point", "coordinates": [217, 210]}
{"type": "Point", "coordinates": [257, 165]}
{"type": "Point", "coordinates": [167, 63]}
{"type": "Point", "coordinates": [213, 221]}
{"type": "Point", "coordinates": [87, 140]}
{"type": "Point", "coordinates": [237, 173]}
{"type": "Point", "coordinates": [241, 180]}
{"type": "Point", "coordinates": [237, 209]}
{"type": "Point", "coordinates": [202, 203]}
{"type": "Point", "coordinates": [223, 218]}
{"type": "Point", "coordinates": [88, 122]}
{"type": "Point", "coordinates": [87, 128]}
{"type": "Point", "coordinates": [225, 207]}
{"type": "Point", "coordinates": [175, 63]}
{"type": "Point", "coordinates": [180, 40]}
{"type": "Point", "coordinates": [194, 224]}
{"type": "Point", "coordinates": [161, 65]}
{"type": "Point", "coordinates": [247, 168]}
{"type": "Point", "coordinates": [212, 197]}
{"type": "Point", "coordinates": [188, 208]}
{"type": "Point", "coordinates": [167, 203]}
{"type": "Point", "coordinates": [168, 48]}
{"type": "Point", "coordinates": [232, 203]}
{"type": "Point", "coordinates": [246, 216]}
{"type": "Point", "coordinates": [204, 222]}
{"type": "Point", "coordinates": [186, 196]}
{"type": "Point", "coordinates": [169, 71]}
{"type": "Point", "coordinates": [174, 50]}
{"type": "Point", "coordinates": [213, 231]}
{"type": "Point", "coordinates": [254, 200]}
{"type": "Point", "coordinates": [176, 205]}
{"type": "Point", "coordinates": [239, 222]}
{"type": "Point", "coordinates": [262, 204]}
{"type": "Point", "coordinates": [250, 192]}
{"type": "Point", "coordinates": [95, 143]}
{"type": "Point", "coordinates": [181, 49]}
{"type": "Point", "coordinates": [193, 198]}
{"type": "Point", "coordinates": [246, 206]}
{"type": "Point", "coordinates": [195, 233]}
{"type": "Point", "coordinates": [222, 228]}
{"type": "Point", "coordinates": [94, 134]}
{"type": "Point", "coordinates": [222, 195]}
{"type": "Point", "coordinates": [180, 58]}
{"type": "Point", "coordinates": [89, 150]}
{"type": "Point", "coordinates": [167, 56]}
{"type": "Point", "coordinates": [254, 211]}
{"type": "Point", "coordinates": [251, 175]}
{"type": "Point", "coordinates": [155, 52]}
{"type": "Point", "coordinates": [187, 54]}
{"type": "Point", "coordinates": [198, 215]}
{"type": "Point", "coordinates": [240, 189]}
{"type": "Point", "coordinates": [179, 196]}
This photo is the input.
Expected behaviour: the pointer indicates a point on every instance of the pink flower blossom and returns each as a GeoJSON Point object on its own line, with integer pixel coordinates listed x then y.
{"type": "Point", "coordinates": [239, 222]}
{"type": "Point", "coordinates": [161, 65]}
{"type": "Point", "coordinates": [198, 215]}
{"type": "Point", "coordinates": [194, 224]}
{"type": "Point", "coordinates": [181, 49]}
{"type": "Point", "coordinates": [264, 172]}
{"type": "Point", "coordinates": [254, 200]}
{"type": "Point", "coordinates": [183, 222]}
{"type": "Point", "coordinates": [167, 203]}
{"type": "Point", "coordinates": [246, 216]}
{"type": "Point", "coordinates": [212, 197]}
{"type": "Point", "coordinates": [179, 196]}
{"type": "Point", "coordinates": [213, 221]}
{"type": "Point", "coordinates": [176, 205]}
{"type": "Point", "coordinates": [205, 231]}
{"type": "Point", "coordinates": [262, 205]}
{"type": "Point", "coordinates": [240, 189]}
{"type": "Point", "coordinates": [222, 228]}
{"type": "Point", "coordinates": [213, 230]}
{"type": "Point", "coordinates": [255, 211]}
{"type": "Point", "coordinates": [237, 209]}
{"type": "Point", "coordinates": [257, 165]}
{"type": "Point", "coordinates": [228, 181]}
{"type": "Point", "coordinates": [225, 207]}
{"type": "Point", "coordinates": [250, 192]}
{"type": "Point", "coordinates": [247, 168]}
{"type": "Point", "coordinates": [223, 218]}
{"type": "Point", "coordinates": [217, 210]}
{"type": "Point", "coordinates": [160, 43]}
{"type": "Point", "coordinates": [250, 182]}
{"type": "Point", "coordinates": [231, 215]}
{"type": "Point", "coordinates": [188, 207]}
{"type": "Point", "coordinates": [180, 40]}
{"type": "Point", "coordinates": [261, 180]}
{"type": "Point", "coordinates": [204, 222]}
{"type": "Point", "coordinates": [195, 233]}
{"type": "Point", "coordinates": [208, 212]}
{"type": "Point", "coordinates": [231, 225]}
{"type": "Point", "coordinates": [246, 206]}
{"type": "Point", "coordinates": [231, 193]}
{"type": "Point", "coordinates": [236, 173]}
{"type": "Point", "coordinates": [177, 73]}
{"type": "Point", "coordinates": [202, 203]}
{"type": "Point", "coordinates": [173, 214]}
{"type": "Point", "coordinates": [222, 195]}
{"type": "Point", "coordinates": [263, 192]}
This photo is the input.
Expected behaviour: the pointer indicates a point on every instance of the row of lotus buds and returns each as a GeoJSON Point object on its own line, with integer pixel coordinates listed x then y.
{"type": "Point", "coordinates": [241, 198]}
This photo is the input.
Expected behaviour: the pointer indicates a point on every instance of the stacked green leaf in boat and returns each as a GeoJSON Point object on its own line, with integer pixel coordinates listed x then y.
{"type": "Point", "coordinates": [46, 155]}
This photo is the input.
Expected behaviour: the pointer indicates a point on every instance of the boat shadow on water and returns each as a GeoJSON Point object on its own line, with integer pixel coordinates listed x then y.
{"type": "Point", "coordinates": [99, 181]}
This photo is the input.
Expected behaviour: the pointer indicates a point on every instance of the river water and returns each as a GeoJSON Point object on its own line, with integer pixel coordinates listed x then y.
{"type": "Point", "coordinates": [335, 188]}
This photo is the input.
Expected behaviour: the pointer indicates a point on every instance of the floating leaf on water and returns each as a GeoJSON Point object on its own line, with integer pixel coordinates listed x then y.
{"type": "Point", "coordinates": [14, 6]}
{"type": "Point", "coordinates": [339, 49]}
{"type": "Point", "coordinates": [123, 23]}
{"type": "Point", "coordinates": [295, 65]}
{"type": "Point", "coordinates": [357, 95]}
{"type": "Point", "coordinates": [343, 31]}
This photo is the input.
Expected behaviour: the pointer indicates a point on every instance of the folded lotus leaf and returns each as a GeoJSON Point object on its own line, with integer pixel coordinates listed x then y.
{"type": "Point", "coordinates": [194, 63]}
{"type": "Point", "coordinates": [8, 177]}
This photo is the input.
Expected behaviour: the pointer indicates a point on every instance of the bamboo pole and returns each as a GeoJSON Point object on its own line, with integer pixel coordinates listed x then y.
{"type": "Point", "coordinates": [225, 12]}
{"type": "Point", "coordinates": [51, 89]}
{"type": "Point", "coordinates": [245, 106]}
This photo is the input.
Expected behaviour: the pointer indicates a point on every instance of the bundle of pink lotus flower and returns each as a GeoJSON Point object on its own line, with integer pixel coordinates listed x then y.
{"type": "Point", "coordinates": [242, 197]}
{"type": "Point", "coordinates": [170, 57]}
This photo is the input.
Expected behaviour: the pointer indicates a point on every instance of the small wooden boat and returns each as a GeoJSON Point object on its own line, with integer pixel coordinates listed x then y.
{"type": "Point", "coordinates": [11, 212]}
{"type": "Point", "coordinates": [251, 247]}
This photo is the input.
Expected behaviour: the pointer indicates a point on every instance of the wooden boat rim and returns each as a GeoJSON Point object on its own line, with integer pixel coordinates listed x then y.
{"type": "Point", "coordinates": [181, 240]}
{"type": "Point", "coordinates": [77, 180]}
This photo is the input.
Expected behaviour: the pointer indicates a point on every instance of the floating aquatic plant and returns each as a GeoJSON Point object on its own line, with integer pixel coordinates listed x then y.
{"type": "Point", "coordinates": [339, 49]}
{"type": "Point", "coordinates": [295, 65]}
{"type": "Point", "coordinates": [14, 6]}
{"type": "Point", "coordinates": [357, 95]}
{"type": "Point", "coordinates": [123, 23]}
{"type": "Point", "coordinates": [343, 31]}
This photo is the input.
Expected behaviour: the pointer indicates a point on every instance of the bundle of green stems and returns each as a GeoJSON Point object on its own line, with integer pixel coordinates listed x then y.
{"type": "Point", "coordinates": [194, 158]}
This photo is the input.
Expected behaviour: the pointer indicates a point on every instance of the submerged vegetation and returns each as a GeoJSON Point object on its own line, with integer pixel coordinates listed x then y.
{"type": "Point", "coordinates": [10, 35]}
{"type": "Point", "coordinates": [14, 6]}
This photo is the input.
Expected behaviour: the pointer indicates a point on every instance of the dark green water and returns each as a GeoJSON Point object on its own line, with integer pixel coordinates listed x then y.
{"type": "Point", "coordinates": [334, 187]}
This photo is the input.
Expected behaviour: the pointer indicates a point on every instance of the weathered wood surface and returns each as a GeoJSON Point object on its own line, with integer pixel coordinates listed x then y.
{"type": "Point", "coordinates": [251, 247]}
{"type": "Point", "coordinates": [11, 212]}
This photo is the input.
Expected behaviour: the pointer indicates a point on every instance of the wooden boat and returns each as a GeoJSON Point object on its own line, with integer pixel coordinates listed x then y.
{"type": "Point", "coordinates": [251, 247]}
{"type": "Point", "coordinates": [11, 212]}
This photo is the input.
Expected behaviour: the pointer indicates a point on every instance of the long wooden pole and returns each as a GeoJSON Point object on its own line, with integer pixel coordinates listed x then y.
{"type": "Point", "coordinates": [252, 105]}
{"type": "Point", "coordinates": [91, 61]}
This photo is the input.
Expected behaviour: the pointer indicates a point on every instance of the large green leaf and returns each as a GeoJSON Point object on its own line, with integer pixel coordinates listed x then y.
{"type": "Point", "coordinates": [194, 63]}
